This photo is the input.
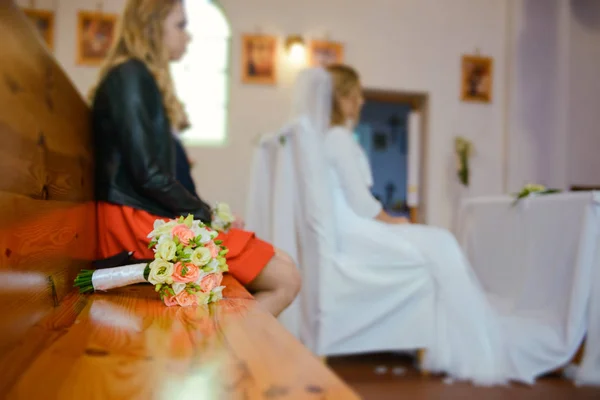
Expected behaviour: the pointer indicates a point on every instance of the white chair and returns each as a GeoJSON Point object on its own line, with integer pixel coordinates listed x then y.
{"type": "Point", "coordinates": [291, 206]}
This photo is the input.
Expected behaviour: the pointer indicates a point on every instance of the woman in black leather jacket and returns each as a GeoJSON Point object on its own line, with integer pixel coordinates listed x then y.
{"type": "Point", "coordinates": [135, 110]}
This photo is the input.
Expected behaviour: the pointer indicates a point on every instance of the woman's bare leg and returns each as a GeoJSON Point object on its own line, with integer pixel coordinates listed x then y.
{"type": "Point", "coordinates": [277, 284]}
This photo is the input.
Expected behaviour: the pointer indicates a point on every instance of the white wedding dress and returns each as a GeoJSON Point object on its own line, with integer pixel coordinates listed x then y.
{"type": "Point", "coordinates": [369, 286]}
{"type": "Point", "coordinates": [467, 340]}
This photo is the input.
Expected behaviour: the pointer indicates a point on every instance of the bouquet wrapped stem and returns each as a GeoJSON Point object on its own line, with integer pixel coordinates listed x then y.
{"type": "Point", "coordinates": [88, 281]}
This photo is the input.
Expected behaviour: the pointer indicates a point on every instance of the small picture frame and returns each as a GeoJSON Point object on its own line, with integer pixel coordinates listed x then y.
{"type": "Point", "coordinates": [323, 53]}
{"type": "Point", "coordinates": [43, 20]}
{"type": "Point", "coordinates": [95, 36]}
{"type": "Point", "coordinates": [477, 79]}
{"type": "Point", "coordinates": [259, 59]}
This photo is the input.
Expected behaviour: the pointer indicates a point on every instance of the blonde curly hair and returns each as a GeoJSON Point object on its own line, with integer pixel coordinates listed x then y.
{"type": "Point", "coordinates": [140, 36]}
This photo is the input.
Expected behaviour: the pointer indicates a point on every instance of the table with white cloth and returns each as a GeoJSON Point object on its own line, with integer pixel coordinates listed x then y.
{"type": "Point", "coordinates": [540, 258]}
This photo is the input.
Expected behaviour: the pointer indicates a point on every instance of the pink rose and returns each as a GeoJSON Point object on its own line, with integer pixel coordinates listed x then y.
{"type": "Point", "coordinates": [170, 301]}
{"type": "Point", "coordinates": [183, 233]}
{"type": "Point", "coordinates": [211, 281]}
{"type": "Point", "coordinates": [185, 299]}
{"type": "Point", "coordinates": [214, 250]}
{"type": "Point", "coordinates": [184, 273]}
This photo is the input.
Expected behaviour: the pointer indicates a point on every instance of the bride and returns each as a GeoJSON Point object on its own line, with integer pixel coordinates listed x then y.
{"type": "Point", "coordinates": [471, 339]}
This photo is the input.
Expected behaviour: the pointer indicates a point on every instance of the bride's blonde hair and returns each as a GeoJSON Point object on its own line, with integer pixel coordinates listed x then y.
{"type": "Point", "coordinates": [140, 36]}
{"type": "Point", "coordinates": [345, 78]}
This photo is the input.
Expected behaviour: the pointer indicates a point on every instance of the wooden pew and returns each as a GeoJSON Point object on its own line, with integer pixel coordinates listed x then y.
{"type": "Point", "coordinates": [123, 344]}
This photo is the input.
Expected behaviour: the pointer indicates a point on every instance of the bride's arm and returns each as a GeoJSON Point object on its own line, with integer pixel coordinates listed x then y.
{"type": "Point", "coordinates": [341, 153]}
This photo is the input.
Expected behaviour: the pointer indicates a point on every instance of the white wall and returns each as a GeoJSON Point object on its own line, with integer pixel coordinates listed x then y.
{"type": "Point", "coordinates": [536, 96]}
{"type": "Point", "coordinates": [397, 45]}
{"type": "Point", "coordinates": [411, 45]}
{"type": "Point", "coordinates": [65, 34]}
{"type": "Point", "coordinates": [554, 93]}
{"type": "Point", "coordinates": [583, 130]}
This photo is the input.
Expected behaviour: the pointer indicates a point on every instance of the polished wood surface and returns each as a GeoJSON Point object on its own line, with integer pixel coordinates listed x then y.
{"type": "Point", "coordinates": [394, 377]}
{"type": "Point", "coordinates": [47, 218]}
{"type": "Point", "coordinates": [125, 344]}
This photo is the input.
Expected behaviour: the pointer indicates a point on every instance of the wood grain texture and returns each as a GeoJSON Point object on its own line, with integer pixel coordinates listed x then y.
{"type": "Point", "coordinates": [47, 213]}
{"type": "Point", "coordinates": [44, 122]}
{"type": "Point", "coordinates": [125, 344]}
{"type": "Point", "coordinates": [40, 172]}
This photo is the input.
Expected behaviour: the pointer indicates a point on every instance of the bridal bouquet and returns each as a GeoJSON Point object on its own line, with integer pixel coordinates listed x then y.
{"type": "Point", "coordinates": [187, 269]}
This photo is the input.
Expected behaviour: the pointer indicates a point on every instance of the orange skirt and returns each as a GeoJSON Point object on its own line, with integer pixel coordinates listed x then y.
{"type": "Point", "coordinates": [123, 228]}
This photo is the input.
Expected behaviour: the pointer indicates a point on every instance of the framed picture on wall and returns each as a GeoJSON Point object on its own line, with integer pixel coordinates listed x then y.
{"type": "Point", "coordinates": [43, 21]}
{"type": "Point", "coordinates": [95, 35]}
{"type": "Point", "coordinates": [259, 59]}
{"type": "Point", "coordinates": [477, 79]}
{"type": "Point", "coordinates": [323, 53]}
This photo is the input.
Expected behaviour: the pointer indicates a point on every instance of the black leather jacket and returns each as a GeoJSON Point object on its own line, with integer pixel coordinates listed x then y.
{"type": "Point", "coordinates": [134, 146]}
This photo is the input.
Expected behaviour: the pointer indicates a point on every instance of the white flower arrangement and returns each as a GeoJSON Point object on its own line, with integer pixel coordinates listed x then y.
{"type": "Point", "coordinates": [464, 149]}
{"type": "Point", "coordinates": [533, 189]}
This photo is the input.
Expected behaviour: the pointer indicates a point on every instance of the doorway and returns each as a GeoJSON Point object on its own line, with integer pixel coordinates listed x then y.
{"type": "Point", "coordinates": [392, 133]}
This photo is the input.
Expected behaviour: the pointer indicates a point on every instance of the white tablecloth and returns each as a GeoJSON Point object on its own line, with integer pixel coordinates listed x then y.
{"type": "Point", "coordinates": [541, 258]}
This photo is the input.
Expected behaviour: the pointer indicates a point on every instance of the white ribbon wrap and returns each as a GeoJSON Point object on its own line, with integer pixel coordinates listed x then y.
{"type": "Point", "coordinates": [110, 278]}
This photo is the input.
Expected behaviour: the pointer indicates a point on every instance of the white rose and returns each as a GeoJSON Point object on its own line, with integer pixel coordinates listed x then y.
{"type": "Point", "coordinates": [200, 257]}
{"type": "Point", "coordinates": [212, 266]}
{"type": "Point", "coordinates": [162, 228]}
{"type": "Point", "coordinates": [222, 217]}
{"type": "Point", "coordinates": [204, 234]}
{"type": "Point", "coordinates": [216, 294]}
{"type": "Point", "coordinates": [200, 230]}
{"type": "Point", "coordinates": [224, 213]}
{"type": "Point", "coordinates": [166, 248]}
{"type": "Point", "coordinates": [178, 287]}
{"type": "Point", "coordinates": [196, 227]}
{"type": "Point", "coordinates": [160, 272]}
{"type": "Point", "coordinates": [203, 298]}
{"type": "Point", "coordinates": [219, 225]}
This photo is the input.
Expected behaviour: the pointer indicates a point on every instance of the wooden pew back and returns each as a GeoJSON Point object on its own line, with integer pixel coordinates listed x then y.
{"type": "Point", "coordinates": [55, 343]}
{"type": "Point", "coordinates": [47, 214]}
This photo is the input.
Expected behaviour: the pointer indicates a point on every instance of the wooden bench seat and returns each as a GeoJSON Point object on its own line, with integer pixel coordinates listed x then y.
{"type": "Point", "coordinates": [126, 344]}
{"type": "Point", "coordinates": [122, 344]}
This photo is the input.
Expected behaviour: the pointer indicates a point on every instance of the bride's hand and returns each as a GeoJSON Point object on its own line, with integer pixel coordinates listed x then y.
{"type": "Point", "coordinates": [389, 219]}
{"type": "Point", "coordinates": [401, 220]}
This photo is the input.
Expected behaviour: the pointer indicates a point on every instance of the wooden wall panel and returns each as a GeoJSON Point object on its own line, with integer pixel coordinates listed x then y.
{"type": "Point", "coordinates": [47, 213]}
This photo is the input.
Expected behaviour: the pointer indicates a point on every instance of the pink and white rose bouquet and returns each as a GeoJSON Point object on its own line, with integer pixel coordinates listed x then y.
{"type": "Point", "coordinates": [187, 269]}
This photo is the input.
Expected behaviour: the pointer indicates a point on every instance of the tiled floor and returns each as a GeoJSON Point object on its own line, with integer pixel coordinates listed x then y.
{"type": "Point", "coordinates": [390, 376]}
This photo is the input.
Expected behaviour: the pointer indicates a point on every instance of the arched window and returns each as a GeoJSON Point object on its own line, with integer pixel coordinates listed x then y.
{"type": "Point", "coordinates": [201, 77]}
